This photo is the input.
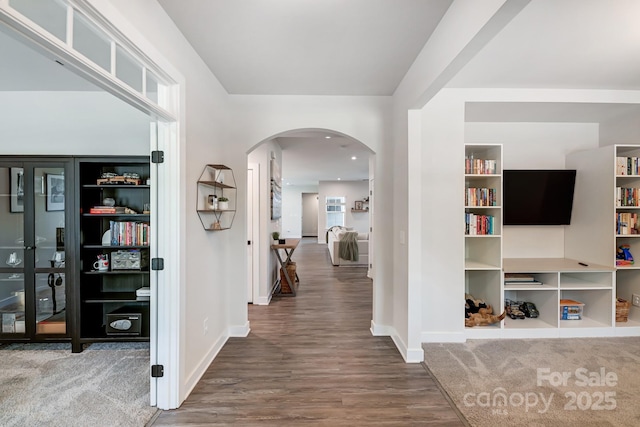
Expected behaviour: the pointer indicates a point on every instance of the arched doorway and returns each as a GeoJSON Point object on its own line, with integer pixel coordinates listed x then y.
{"type": "Point", "coordinates": [303, 161]}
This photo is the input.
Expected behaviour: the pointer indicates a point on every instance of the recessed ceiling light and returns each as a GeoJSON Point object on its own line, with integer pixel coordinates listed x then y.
{"type": "Point", "coordinates": [339, 179]}
{"type": "Point", "coordinates": [354, 158]}
{"type": "Point", "coordinates": [328, 136]}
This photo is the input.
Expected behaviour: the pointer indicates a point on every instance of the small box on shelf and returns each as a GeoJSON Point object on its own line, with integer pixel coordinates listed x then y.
{"type": "Point", "coordinates": [571, 310]}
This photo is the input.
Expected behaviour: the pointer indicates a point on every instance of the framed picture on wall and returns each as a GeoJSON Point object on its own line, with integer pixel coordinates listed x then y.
{"type": "Point", "coordinates": [358, 205]}
{"type": "Point", "coordinates": [55, 192]}
{"type": "Point", "coordinates": [16, 184]}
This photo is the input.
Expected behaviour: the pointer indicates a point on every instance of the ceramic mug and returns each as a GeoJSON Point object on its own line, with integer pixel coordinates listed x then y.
{"type": "Point", "coordinates": [102, 264]}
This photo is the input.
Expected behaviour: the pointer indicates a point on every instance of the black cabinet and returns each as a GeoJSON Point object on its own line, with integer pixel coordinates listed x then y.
{"type": "Point", "coordinates": [36, 261]}
{"type": "Point", "coordinates": [113, 240]}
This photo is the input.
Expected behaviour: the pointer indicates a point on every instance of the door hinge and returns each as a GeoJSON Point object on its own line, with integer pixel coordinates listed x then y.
{"type": "Point", "coordinates": [157, 263]}
{"type": "Point", "coordinates": [249, 242]}
{"type": "Point", "coordinates": [157, 371]}
{"type": "Point", "coordinates": [157, 157]}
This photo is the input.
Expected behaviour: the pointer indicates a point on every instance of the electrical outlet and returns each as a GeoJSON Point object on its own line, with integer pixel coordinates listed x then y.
{"type": "Point", "coordinates": [205, 326]}
{"type": "Point", "coordinates": [636, 300]}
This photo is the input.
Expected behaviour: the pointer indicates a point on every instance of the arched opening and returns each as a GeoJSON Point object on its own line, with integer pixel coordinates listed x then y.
{"type": "Point", "coordinates": [324, 162]}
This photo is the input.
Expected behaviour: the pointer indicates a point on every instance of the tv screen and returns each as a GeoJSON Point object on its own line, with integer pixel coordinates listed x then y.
{"type": "Point", "coordinates": [538, 197]}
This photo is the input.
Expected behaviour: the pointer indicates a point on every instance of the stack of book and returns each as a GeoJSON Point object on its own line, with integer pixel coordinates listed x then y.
{"type": "Point", "coordinates": [106, 209]}
{"type": "Point", "coordinates": [520, 279]}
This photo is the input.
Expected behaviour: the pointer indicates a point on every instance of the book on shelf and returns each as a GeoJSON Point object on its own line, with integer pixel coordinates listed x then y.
{"type": "Point", "coordinates": [129, 233]}
{"type": "Point", "coordinates": [627, 197]}
{"type": "Point", "coordinates": [520, 279]}
{"type": "Point", "coordinates": [626, 223]}
{"type": "Point", "coordinates": [479, 225]}
{"type": "Point", "coordinates": [520, 282]}
{"type": "Point", "coordinates": [479, 166]}
{"type": "Point", "coordinates": [106, 209]}
{"type": "Point", "coordinates": [480, 197]}
{"type": "Point", "coordinates": [627, 166]}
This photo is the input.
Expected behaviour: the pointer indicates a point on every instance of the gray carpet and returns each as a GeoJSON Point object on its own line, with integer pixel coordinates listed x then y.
{"type": "Point", "coordinates": [541, 382]}
{"type": "Point", "coordinates": [47, 385]}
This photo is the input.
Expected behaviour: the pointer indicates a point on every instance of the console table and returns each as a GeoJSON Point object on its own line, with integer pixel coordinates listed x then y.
{"type": "Point", "coordinates": [288, 247]}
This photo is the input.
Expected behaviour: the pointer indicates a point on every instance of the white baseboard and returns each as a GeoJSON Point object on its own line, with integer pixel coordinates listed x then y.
{"type": "Point", "coordinates": [201, 368]}
{"type": "Point", "coordinates": [262, 300]}
{"type": "Point", "coordinates": [381, 330]}
{"type": "Point", "coordinates": [410, 355]}
{"type": "Point", "coordinates": [239, 331]}
{"type": "Point", "coordinates": [458, 337]}
{"type": "Point", "coordinates": [414, 355]}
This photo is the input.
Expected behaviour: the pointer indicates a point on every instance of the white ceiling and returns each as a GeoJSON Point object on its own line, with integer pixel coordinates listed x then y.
{"type": "Point", "coordinates": [307, 47]}
{"type": "Point", "coordinates": [568, 44]}
{"type": "Point", "coordinates": [304, 151]}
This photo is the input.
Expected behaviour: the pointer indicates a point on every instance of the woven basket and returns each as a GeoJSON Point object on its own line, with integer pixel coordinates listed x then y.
{"type": "Point", "coordinates": [291, 270]}
{"type": "Point", "coordinates": [622, 310]}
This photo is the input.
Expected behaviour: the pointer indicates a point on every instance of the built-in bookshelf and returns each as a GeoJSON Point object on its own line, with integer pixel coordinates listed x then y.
{"type": "Point", "coordinates": [114, 250]}
{"type": "Point", "coordinates": [627, 237]}
{"type": "Point", "coordinates": [483, 224]}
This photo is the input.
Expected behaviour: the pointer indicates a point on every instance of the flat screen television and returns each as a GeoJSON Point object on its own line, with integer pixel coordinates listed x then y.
{"type": "Point", "coordinates": [538, 197]}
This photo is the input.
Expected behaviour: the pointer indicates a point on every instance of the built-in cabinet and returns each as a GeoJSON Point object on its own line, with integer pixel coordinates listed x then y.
{"type": "Point", "coordinates": [604, 220]}
{"type": "Point", "coordinates": [114, 237]}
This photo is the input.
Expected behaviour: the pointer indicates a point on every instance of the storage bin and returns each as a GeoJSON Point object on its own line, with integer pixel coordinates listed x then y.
{"type": "Point", "coordinates": [570, 309]}
{"type": "Point", "coordinates": [622, 310]}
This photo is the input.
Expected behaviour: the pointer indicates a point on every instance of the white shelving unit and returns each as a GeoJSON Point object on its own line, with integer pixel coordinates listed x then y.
{"type": "Point", "coordinates": [483, 252]}
{"type": "Point", "coordinates": [591, 239]}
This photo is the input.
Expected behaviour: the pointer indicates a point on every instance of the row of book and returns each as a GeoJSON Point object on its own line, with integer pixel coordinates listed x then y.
{"type": "Point", "coordinates": [626, 223]}
{"type": "Point", "coordinates": [479, 166]}
{"type": "Point", "coordinates": [627, 165]}
{"type": "Point", "coordinates": [627, 196]}
{"type": "Point", "coordinates": [129, 233]}
{"type": "Point", "coordinates": [479, 225]}
{"type": "Point", "coordinates": [480, 197]}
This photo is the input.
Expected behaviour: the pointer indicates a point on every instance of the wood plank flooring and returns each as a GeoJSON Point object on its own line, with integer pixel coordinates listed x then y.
{"type": "Point", "coordinates": [311, 360]}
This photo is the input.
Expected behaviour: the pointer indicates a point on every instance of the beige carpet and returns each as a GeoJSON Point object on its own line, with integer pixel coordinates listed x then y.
{"type": "Point", "coordinates": [47, 385]}
{"type": "Point", "coordinates": [543, 382]}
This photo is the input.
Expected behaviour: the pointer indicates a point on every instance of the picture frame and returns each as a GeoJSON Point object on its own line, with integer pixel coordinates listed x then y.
{"type": "Point", "coordinates": [55, 192]}
{"type": "Point", "coordinates": [358, 205]}
{"type": "Point", "coordinates": [16, 189]}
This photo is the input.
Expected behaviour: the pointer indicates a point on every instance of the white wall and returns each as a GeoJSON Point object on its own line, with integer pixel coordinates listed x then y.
{"type": "Point", "coordinates": [292, 208]}
{"type": "Point", "coordinates": [351, 191]}
{"type": "Point", "coordinates": [71, 123]}
{"type": "Point", "coordinates": [465, 28]}
{"type": "Point", "coordinates": [534, 146]}
{"type": "Point", "coordinates": [268, 271]}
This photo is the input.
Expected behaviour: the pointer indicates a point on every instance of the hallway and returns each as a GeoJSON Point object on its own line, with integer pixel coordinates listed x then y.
{"type": "Point", "coordinates": [311, 360]}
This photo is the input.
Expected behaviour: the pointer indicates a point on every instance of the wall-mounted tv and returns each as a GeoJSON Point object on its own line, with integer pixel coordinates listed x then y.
{"type": "Point", "coordinates": [538, 197]}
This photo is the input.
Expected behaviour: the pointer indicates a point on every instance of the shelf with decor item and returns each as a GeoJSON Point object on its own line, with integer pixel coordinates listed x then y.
{"type": "Point", "coordinates": [360, 206]}
{"type": "Point", "coordinates": [216, 197]}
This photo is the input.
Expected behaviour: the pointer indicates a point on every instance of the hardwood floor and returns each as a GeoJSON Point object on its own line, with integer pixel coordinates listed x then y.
{"type": "Point", "coordinates": [311, 360]}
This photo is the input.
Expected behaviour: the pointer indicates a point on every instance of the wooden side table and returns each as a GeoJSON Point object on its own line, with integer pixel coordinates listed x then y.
{"type": "Point", "coordinates": [288, 247]}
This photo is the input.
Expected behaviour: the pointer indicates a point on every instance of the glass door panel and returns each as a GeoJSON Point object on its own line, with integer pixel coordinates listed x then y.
{"type": "Point", "coordinates": [49, 227]}
{"type": "Point", "coordinates": [50, 303]}
{"type": "Point", "coordinates": [12, 264]}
